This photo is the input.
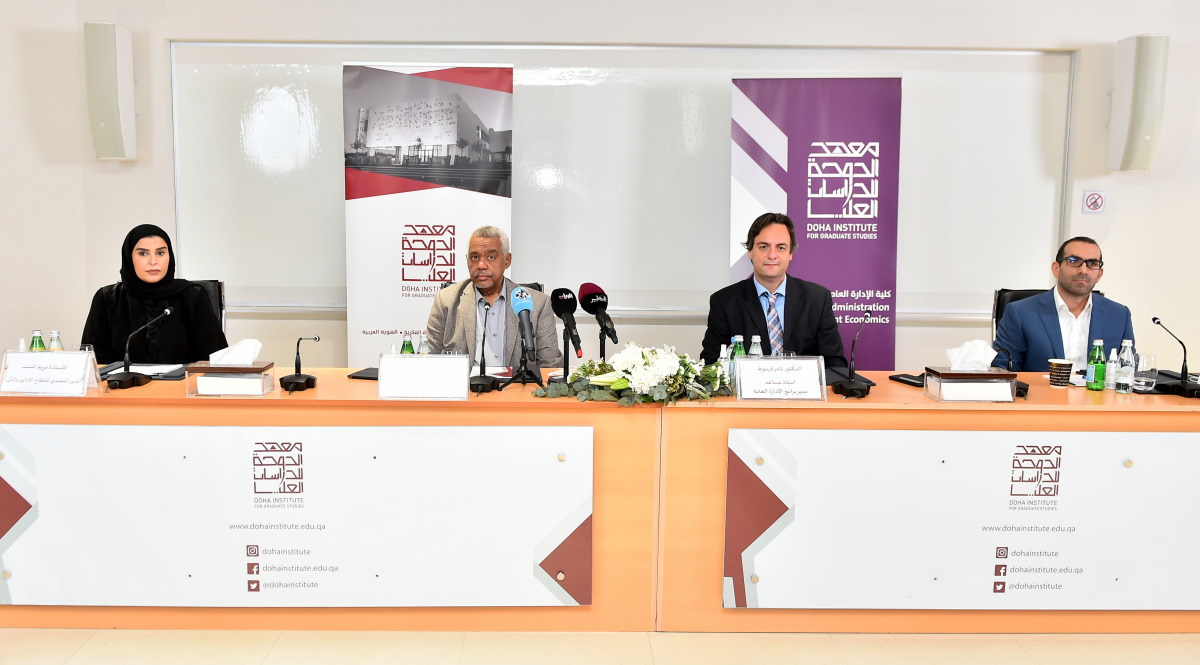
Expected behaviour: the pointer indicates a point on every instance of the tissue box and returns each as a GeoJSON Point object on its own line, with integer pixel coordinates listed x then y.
{"type": "Point", "coordinates": [947, 385]}
{"type": "Point", "coordinates": [207, 380]}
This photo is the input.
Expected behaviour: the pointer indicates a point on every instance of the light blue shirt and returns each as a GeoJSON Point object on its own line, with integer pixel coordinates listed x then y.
{"type": "Point", "coordinates": [495, 330]}
{"type": "Point", "coordinates": [763, 299]}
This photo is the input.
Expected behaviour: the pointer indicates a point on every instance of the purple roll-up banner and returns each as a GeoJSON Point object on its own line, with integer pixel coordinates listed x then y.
{"type": "Point", "coordinates": [826, 152]}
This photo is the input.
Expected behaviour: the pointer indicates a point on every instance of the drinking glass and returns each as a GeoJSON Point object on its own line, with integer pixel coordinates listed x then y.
{"type": "Point", "coordinates": [1145, 372]}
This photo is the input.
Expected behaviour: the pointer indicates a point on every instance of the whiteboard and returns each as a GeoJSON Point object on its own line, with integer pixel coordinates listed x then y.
{"type": "Point", "coordinates": [621, 166]}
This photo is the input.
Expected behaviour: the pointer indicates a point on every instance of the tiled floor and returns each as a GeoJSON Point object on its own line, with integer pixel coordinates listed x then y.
{"type": "Point", "coordinates": [27, 646]}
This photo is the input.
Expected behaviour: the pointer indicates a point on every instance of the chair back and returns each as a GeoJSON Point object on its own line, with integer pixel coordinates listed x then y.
{"type": "Point", "coordinates": [1005, 297]}
{"type": "Point", "coordinates": [215, 289]}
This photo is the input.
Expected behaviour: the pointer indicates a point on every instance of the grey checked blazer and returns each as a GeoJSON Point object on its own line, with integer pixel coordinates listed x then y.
{"type": "Point", "coordinates": [451, 324]}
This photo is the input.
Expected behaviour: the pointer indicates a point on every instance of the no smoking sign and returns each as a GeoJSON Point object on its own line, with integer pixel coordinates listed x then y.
{"type": "Point", "coordinates": [1093, 200]}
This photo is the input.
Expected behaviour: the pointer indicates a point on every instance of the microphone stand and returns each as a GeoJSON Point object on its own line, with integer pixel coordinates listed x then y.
{"type": "Point", "coordinates": [1184, 387]}
{"type": "Point", "coordinates": [566, 360]}
{"type": "Point", "coordinates": [524, 373]}
{"type": "Point", "coordinates": [125, 378]}
{"type": "Point", "coordinates": [601, 343]}
{"type": "Point", "coordinates": [850, 387]}
{"type": "Point", "coordinates": [483, 383]}
{"type": "Point", "coordinates": [298, 381]}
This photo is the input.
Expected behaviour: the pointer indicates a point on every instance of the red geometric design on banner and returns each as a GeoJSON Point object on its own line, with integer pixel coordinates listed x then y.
{"type": "Point", "coordinates": [491, 78]}
{"type": "Point", "coordinates": [573, 560]}
{"type": "Point", "coordinates": [750, 509]}
{"type": "Point", "coordinates": [365, 184]}
{"type": "Point", "coordinates": [13, 507]}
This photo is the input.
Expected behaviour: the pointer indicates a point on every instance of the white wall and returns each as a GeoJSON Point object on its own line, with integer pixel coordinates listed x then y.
{"type": "Point", "coordinates": [64, 214]}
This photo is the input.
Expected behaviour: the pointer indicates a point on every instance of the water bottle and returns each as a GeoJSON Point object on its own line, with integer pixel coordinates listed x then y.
{"type": "Point", "coordinates": [1110, 370]}
{"type": "Point", "coordinates": [755, 345]}
{"type": "Point", "coordinates": [736, 352]}
{"type": "Point", "coordinates": [55, 341]}
{"type": "Point", "coordinates": [738, 349]}
{"type": "Point", "coordinates": [1124, 382]}
{"type": "Point", "coordinates": [406, 347]}
{"type": "Point", "coordinates": [36, 344]}
{"type": "Point", "coordinates": [1095, 368]}
{"type": "Point", "coordinates": [424, 348]}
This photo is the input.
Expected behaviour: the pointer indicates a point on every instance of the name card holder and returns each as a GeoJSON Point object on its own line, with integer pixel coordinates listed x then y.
{"type": "Point", "coordinates": [424, 376]}
{"type": "Point", "coordinates": [780, 377]}
{"type": "Point", "coordinates": [48, 373]}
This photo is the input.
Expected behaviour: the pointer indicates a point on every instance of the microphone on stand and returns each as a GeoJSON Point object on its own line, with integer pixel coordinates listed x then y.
{"type": "Point", "coordinates": [1185, 386]}
{"type": "Point", "coordinates": [483, 383]}
{"type": "Point", "coordinates": [298, 381]}
{"type": "Point", "coordinates": [563, 302]}
{"type": "Point", "coordinates": [126, 378]}
{"type": "Point", "coordinates": [595, 302]}
{"type": "Point", "coordinates": [522, 305]}
{"type": "Point", "coordinates": [849, 387]}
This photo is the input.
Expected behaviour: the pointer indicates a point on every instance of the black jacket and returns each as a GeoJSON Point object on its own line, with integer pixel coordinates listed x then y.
{"type": "Point", "coordinates": [809, 328]}
{"type": "Point", "coordinates": [190, 333]}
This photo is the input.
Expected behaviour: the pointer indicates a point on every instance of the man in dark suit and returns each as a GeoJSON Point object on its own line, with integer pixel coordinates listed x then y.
{"type": "Point", "coordinates": [1063, 321]}
{"type": "Point", "coordinates": [788, 314]}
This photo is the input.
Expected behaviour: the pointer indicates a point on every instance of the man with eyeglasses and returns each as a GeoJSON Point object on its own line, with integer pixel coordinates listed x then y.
{"type": "Point", "coordinates": [1063, 321]}
{"type": "Point", "coordinates": [463, 311]}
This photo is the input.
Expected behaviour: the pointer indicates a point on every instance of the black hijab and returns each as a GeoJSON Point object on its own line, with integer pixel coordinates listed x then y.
{"type": "Point", "coordinates": [164, 288]}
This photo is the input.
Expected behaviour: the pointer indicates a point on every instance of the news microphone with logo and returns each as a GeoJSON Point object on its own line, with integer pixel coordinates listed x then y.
{"type": "Point", "coordinates": [522, 306]}
{"type": "Point", "coordinates": [850, 387]}
{"type": "Point", "coordinates": [595, 302]}
{"type": "Point", "coordinates": [562, 301]}
{"type": "Point", "coordinates": [125, 378]}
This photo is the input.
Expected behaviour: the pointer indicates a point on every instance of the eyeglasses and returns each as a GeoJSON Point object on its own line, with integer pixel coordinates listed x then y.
{"type": "Point", "coordinates": [1075, 262]}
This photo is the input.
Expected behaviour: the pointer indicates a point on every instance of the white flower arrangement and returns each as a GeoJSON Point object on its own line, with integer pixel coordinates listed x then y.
{"type": "Point", "coordinates": [643, 374]}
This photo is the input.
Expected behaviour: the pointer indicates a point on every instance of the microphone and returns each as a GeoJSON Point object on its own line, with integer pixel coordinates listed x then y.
{"type": "Point", "coordinates": [595, 302]}
{"type": "Point", "coordinates": [1186, 386]}
{"type": "Point", "coordinates": [849, 387]}
{"type": "Point", "coordinates": [298, 381]}
{"type": "Point", "coordinates": [562, 301]}
{"type": "Point", "coordinates": [522, 306]}
{"type": "Point", "coordinates": [125, 378]}
{"type": "Point", "coordinates": [483, 383]}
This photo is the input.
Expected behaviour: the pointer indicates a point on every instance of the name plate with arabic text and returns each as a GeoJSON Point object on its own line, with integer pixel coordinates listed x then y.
{"type": "Point", "coordinates": [775, 377]}
{"type": "Point", "coordinates": [56, 373]}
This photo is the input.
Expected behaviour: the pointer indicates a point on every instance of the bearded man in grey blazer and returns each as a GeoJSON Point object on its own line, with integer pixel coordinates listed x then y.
{"type": "Point", "coordinates": [462, 311]}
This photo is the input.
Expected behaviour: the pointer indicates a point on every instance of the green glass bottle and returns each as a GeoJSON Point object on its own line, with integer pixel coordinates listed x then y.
{"type": "Point", "coordinates": [1095, 368]}
{"type": "Point", "coordinates": [36, 344]}
{"type": "Point", "coordinates": [738, 349]}
{"type": "Point", "coordinates": [407, 346]}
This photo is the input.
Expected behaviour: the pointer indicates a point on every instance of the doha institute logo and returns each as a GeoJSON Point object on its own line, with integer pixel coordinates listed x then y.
{"type": "Point", "coordinates": [1035, 473]}
{"type": "Point", "coordinates": [278, 468]}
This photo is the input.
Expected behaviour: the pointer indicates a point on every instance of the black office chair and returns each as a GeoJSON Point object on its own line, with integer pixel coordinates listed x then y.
{"type": "Point", "coordinates": [1005, 297]}
{"type": "Point", "coordinates": [215, 289]}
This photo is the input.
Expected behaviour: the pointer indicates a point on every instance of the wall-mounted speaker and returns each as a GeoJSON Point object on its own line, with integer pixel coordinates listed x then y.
{"type": "Point", "coordinates": [1139, 91]}
{"type": "Point", "coordinates": [108, 52]}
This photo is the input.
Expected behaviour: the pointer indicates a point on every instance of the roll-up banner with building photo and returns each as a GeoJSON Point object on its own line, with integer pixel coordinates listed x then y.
{"type": "Point", "coordinates": [428, 160]}
{"type": "Point", "coordinates": [826, 152]}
